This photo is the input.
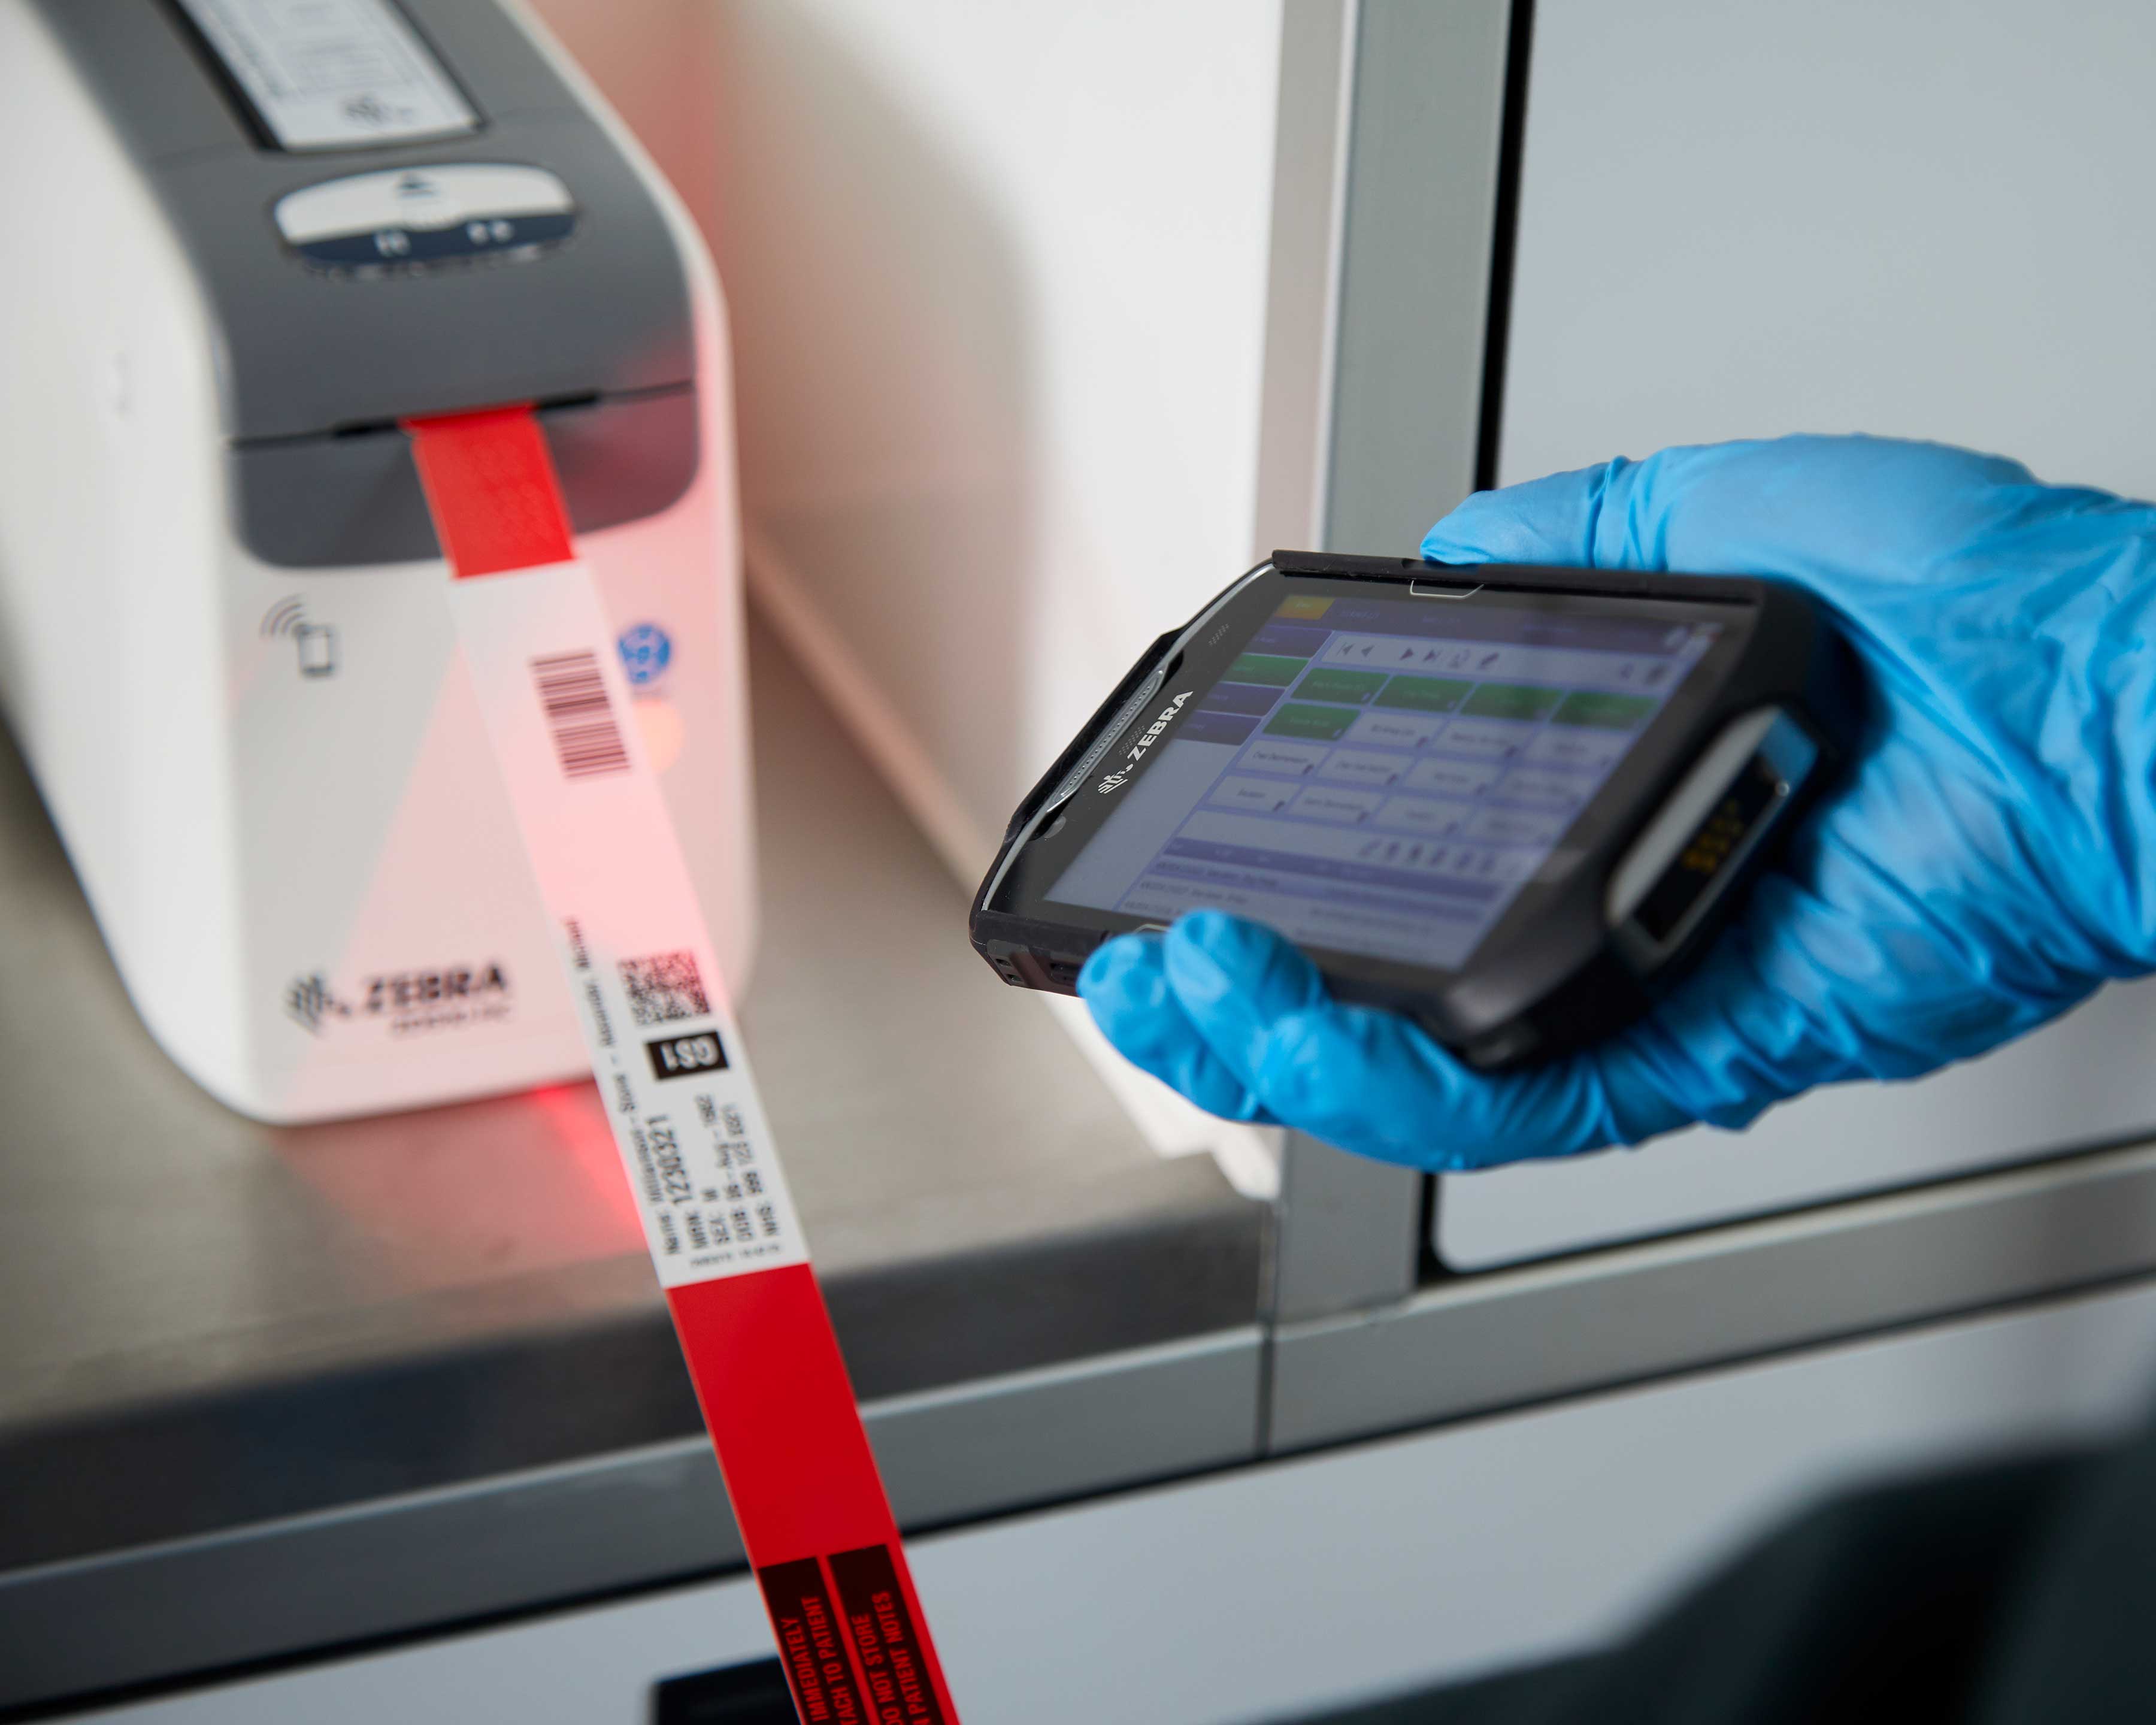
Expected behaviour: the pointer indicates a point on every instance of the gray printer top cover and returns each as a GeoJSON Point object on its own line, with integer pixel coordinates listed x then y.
{"type": "Point", "coordinates": [303, 351]}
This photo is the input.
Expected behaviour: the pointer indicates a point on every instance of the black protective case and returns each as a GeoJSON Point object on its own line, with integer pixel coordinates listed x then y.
{"type": "Point", "coordinates": [1560, 982]}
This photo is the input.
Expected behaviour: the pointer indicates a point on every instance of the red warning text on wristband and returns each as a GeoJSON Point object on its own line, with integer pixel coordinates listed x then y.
{"type": "Point", "coordinates": [717, 1217]}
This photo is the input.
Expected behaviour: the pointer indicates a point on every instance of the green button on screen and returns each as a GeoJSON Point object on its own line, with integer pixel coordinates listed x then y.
{"type": "Point", "coordinates": [1511, 700]}
{"type": "Point", "coordinates": [1424, 694]}
{"type": "Point", "coordinates": [1327, 724]}
{"type": "Point", "coordinates": [1329, 685]}
{"type": "Point", "coordinates": [1606, 712]}
{"type": "Point", "coordinates": [1274, 668]}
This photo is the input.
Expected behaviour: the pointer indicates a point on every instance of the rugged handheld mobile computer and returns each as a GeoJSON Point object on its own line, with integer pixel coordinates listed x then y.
{"type": "Point", "coordinates": [1512, 802]}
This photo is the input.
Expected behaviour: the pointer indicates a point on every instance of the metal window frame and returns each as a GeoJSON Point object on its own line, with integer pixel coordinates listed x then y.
{"type": "Point", "coordinates": [1385, 303]}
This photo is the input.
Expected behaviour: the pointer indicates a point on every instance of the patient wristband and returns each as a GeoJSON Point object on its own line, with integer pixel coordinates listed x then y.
{"type": "Point", "coordinates": [720, 1225]}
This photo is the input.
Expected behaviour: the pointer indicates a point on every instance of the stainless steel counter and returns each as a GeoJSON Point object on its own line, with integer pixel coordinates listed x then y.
{"type": "Point", "coordinates": [237, 1361]}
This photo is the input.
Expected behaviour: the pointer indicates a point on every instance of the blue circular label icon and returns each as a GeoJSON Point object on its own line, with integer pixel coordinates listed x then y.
{"type": "Point", "coordinates": [645, 651]}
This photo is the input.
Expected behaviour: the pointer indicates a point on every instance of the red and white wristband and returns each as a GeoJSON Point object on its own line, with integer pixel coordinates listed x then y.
{"type": "Point", "coordinates": [718, 1219]}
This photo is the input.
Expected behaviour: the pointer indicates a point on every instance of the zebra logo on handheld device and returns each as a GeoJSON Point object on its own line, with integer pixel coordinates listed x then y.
{"type": "Point", "coordinates": [1130, 761]}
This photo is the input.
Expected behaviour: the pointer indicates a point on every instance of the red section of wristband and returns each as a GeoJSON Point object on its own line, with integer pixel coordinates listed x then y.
{"type": "Point", "coordinates": [802, 1478]}
{"type": "Point", "coordinates": [776, 1397]}
{"type": "Point", "coordinates": [490, 482]}
{"type": "Point", "coordinates": [804, 1487]}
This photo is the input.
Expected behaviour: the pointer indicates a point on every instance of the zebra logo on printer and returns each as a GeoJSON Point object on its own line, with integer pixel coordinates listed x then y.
{"type": "Point", "coordinates": [409, 1002]}
{"type": "Point", "coordinates": [311, 1003]}
{"type": "Point", "coordinates": [1136, 755]}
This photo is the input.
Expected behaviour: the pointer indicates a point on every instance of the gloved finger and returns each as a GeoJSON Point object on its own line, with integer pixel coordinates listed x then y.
{"type": "Point", "coordinates": [1235, 980]}
{"type": "Point", "coordinates": [1370, 1082]}
{"type": "Point", "coordinates": [1832, 512]}
{"type": "Point", "coordinates": [1551, 520]}
{"type": "Point", "coordinates": [1125, 986]}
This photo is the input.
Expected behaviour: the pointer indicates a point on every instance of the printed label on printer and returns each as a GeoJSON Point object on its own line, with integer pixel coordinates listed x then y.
{"type": "Point", "coordinates": [332, 75]}
{"type": "Point", "coordinates": [648, 992]}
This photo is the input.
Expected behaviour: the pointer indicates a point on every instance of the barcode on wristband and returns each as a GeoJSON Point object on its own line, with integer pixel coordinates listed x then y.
{"type": "Point", "coordinates": [587, 740]}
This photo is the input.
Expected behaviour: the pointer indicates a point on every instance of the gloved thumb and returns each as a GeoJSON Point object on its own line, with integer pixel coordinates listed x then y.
{"type": "Point", "coordinates": [1238, 981]}
{"type": "Point", "coordinates": [1367, 1081]}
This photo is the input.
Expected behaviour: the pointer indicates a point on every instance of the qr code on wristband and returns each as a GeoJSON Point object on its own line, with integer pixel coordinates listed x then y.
{"type": "Point", "coordinates": [665, 987]}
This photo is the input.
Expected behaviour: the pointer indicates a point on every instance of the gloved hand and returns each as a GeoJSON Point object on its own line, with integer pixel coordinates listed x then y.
{"type": "Point", "coordinates": [1988, 862]}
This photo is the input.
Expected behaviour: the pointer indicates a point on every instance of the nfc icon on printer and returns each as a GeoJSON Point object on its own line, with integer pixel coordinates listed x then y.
{"type": "Point", "coordinates": [316, 641]}
{"type": "Point", "coordinates": [232, 830]}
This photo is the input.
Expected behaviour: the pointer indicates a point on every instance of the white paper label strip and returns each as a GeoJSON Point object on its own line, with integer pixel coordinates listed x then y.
{"type": "Point", "coordinates": [669, 1060]}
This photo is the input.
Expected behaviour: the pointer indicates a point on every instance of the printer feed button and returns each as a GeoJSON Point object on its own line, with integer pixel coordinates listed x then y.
{"type": "Point", "coordinates": [408, 219]}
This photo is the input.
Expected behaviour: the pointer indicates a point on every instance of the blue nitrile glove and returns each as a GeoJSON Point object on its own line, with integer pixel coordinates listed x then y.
{"type": "Point", "coordinates": [1989, 861]}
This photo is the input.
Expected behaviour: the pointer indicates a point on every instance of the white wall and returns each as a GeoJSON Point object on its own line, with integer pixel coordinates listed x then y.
{"type": "Point", "coordinates": [998, 280]}
{"type": "Point", "coordinates": [1929, 220]}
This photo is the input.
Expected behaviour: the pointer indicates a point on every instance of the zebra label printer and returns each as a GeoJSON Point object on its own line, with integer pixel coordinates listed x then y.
{"type": "Point", "coordinates": [266, 231]}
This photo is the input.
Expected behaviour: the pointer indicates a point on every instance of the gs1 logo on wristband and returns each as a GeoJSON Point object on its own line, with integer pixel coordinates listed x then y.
{"type": "Point", "coordinates": [683, 1056]}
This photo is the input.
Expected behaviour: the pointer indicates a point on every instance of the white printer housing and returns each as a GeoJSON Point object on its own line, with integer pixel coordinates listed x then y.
{"type": "Point", "coordinates": [223, 647]}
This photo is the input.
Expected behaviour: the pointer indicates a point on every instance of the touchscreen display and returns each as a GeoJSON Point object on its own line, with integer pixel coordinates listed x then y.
{"type": "Point", "coordinates": [1380, 776]}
